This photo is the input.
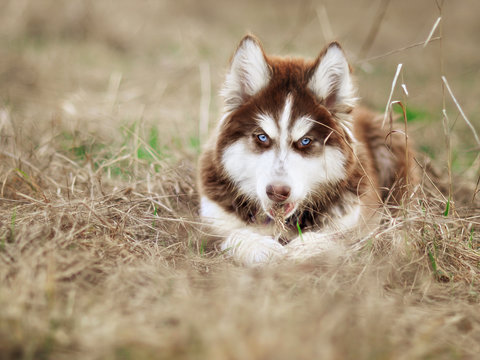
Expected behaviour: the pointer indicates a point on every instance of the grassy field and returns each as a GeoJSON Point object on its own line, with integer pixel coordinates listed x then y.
{"type": "Point", "coordinates": [104, 106]}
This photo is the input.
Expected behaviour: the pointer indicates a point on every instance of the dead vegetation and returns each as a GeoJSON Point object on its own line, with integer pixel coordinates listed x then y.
{"type": "Point", "coordinates": [101, 252]}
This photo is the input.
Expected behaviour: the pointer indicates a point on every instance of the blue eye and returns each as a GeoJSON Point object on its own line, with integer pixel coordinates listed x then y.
{"type": "Point", "coordinates": [262, 137]}
{"type": "Point", "coordinates": [305, 141]}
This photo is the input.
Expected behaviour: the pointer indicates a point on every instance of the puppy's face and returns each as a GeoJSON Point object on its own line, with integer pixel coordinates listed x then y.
{"type": "Point", "coordinates": [280, 141]}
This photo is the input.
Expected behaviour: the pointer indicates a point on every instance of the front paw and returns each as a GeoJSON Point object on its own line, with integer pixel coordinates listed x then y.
{"type": "Point", "coordinates": [249, 248]}
{"type": "Point", "coordinates": [311, 244]}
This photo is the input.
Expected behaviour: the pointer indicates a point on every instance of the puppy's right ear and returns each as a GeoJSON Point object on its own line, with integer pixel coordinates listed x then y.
{"type": "Point", "coordinates": [249, 73]}
{"type": "Point", "coordinates": [331, 81]}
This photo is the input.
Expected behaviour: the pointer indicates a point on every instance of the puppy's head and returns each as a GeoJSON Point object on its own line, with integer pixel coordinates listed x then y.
{"type": "Point", "coordinates": [286, 132]}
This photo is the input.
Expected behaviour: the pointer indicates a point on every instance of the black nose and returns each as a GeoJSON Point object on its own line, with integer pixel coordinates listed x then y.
{"type": "Point", "coordinates": [278, 193]}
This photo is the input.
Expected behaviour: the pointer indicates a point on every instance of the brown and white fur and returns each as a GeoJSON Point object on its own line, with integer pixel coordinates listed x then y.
{"type": "Point", "coordinates": [294, 167]}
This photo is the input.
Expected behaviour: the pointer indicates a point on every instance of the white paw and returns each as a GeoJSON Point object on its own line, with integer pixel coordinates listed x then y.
{"type": "Point", "coordinates": [250, 248]}
{"type": "Point", "coordinates": [311, 244]}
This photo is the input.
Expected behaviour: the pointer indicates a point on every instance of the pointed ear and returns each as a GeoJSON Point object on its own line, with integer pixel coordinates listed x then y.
{"type": "Point", "coordinates": [249, 73]}
{"type": "Point", "coordinates": [331, 81]}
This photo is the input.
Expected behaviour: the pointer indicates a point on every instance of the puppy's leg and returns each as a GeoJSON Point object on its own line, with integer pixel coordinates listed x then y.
{"type": "Point", "coordinates": [345, 225]}
{"type": "Point", "coordinates": [242, 242]}
{"type": "Point", "coordinates": [314, 243]}
{"type": "Point", "coordinates": [250, 248]}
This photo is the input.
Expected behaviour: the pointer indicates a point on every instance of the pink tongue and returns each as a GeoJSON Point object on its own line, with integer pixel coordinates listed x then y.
{"type": "Point", "coordinates": [282, 210]}
{"type": "Point", "coordinates": [288, 207]}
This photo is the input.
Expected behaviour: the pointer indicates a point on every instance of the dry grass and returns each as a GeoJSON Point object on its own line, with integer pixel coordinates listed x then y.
{"type": "Point", "coordinates": [101, 252]}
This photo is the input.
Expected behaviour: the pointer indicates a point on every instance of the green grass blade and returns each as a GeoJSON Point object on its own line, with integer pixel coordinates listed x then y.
{"type": "Point", "coordinates": [299, 231]}
{"type": "Point", "coordinates": [433, 262]}
{"type": "Point", "coordinates": [447, 208]}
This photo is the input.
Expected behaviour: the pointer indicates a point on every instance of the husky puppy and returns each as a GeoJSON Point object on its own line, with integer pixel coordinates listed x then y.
{"type": "Point", "coordinates": [294, 165]}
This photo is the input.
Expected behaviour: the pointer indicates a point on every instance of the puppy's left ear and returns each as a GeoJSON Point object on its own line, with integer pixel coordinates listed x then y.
{"type": "Point", "coordinates": [331, 81]}
{"type": "Point", "coordinates": [249, 73]}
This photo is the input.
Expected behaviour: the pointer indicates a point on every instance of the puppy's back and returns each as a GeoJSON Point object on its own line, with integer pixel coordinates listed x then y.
{"type": "Point", "coordinates": [390, 151]}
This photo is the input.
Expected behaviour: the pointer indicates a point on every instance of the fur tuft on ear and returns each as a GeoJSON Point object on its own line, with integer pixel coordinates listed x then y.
{"type": "Point", "coordinates": [249, 73]}
{"type": "Point", "coordinates": [331, 81]}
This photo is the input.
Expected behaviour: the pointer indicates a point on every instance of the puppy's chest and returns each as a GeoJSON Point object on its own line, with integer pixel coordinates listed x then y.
{"type": "Point", "coordinates": [294, 226]}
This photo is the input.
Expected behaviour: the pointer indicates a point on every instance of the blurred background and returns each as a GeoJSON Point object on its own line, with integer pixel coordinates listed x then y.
{"type": "Point", "coordinates": [82, 70]}
{"type": "Point", "coordinates": [104, 105]}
